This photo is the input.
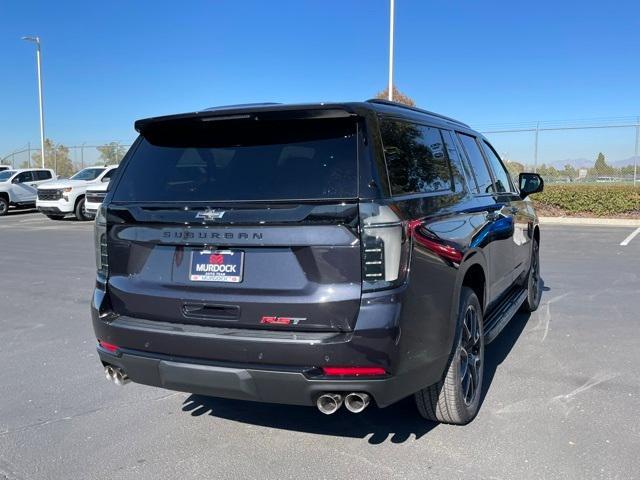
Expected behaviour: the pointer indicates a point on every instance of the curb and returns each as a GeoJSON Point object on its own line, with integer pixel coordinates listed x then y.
{"type": "Point", "coordinates": [594, 222]}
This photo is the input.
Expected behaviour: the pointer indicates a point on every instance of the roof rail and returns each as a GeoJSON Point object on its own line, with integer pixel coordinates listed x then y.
{"type": "Point", "coordinates": [241, 105]}
{"type": "Point", "coordinates": [415, 109]}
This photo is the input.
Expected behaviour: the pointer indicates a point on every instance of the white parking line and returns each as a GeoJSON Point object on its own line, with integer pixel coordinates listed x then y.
{"type": "Point", "coordinates": [631, 236]}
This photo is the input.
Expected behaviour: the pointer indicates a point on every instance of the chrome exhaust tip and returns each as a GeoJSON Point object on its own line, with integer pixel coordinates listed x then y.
{"type": "Point", "coordinates": [109, 372]}
{"type": "Point", "coordinates": [356, 402]}
{"type": "Point", "coordinates": [329, 403]}
{"type": "Point", "coordinates": [116, 375]}
{"type": "Point", "coordinates": [121, 378]}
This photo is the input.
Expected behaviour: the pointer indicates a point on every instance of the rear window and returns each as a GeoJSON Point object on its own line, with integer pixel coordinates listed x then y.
{"type": "Point", "coordinates": [243, 160]}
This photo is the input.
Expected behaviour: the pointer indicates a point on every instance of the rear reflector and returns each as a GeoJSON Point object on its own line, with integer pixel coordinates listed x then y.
{"type": "Point", "coordinates": [108, 346]}
{"type": "Point", "coordinates": [353, 371]}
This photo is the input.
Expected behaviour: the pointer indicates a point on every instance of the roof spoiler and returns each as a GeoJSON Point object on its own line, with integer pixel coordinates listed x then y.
{"type": "Point", "coordinates": [251, 112]}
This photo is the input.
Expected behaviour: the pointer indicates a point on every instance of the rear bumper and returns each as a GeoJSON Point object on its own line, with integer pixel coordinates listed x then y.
{"type": "Point", "coordinates": [286, 386]}
{"type": "Point", "coordinates": [270, 365]}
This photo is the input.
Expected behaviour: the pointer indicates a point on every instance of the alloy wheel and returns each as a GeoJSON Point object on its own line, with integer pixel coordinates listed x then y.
{"type": "Point", "coordinates": [470, 355]}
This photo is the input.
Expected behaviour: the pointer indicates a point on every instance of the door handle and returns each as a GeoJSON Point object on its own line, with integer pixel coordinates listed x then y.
{"type": "Point", "coordinates": [33, 185]}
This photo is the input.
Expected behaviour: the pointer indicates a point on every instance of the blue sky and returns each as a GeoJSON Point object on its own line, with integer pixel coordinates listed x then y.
{"type": "Point", "coordinates": [109, 63]}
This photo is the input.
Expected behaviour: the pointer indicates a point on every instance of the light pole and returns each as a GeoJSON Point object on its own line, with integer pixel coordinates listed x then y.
{"type": "Point", "coordinates": [36, 40]}
{"type": "Point", "coordinates": [391, 22]}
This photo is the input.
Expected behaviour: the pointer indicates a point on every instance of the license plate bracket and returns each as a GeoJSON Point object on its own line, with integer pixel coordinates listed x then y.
{"type": "Point", "coordinates": [224, 266]}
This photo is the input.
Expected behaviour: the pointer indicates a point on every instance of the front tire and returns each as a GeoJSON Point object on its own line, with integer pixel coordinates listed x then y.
{"type": "Point", "coordinates": [534, 282]}
{"type": "Point", "coordinates": [4, 206]}
{"type": "Point", "coordinates": [79, 211]}
{"type": "Point", "coordinates": [456, 398]}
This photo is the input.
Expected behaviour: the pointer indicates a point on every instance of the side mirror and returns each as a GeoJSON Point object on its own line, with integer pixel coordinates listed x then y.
{"type": "Point", "coordinates": [16, 180]}
{"type": "Point", "coordinates": [530, 183]}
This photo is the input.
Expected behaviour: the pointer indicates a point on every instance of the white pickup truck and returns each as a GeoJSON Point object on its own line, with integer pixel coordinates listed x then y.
{"type": "Point", "coordinates": [18, 188]}
{"type": "Point", "coordinates": [58, 199]}
{"type": "Point", "coordinates": [93, 199]}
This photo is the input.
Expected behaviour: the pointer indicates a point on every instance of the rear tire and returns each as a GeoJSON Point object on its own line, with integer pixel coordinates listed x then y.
{"type": "Point", "coordinates": [534, 283]}
{"type": "Point", "coordinates": [456, 398]}
{"type": "Point", "coordinates": [4, 206]}
{"type": "Point", "coordinates": [79, 211]}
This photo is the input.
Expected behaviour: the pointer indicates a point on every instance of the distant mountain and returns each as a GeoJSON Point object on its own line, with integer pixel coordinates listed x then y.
{"type": "Point", "coordinates": [574, 162]}
{"type": "Point", "coordinates": [625, 162]}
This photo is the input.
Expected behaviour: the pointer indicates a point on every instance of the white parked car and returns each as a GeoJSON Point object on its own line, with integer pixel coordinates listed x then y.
{"type": "Point", "coordinates": [58, 199]}
{"type": "Point", "coordinates": [93, 199]}
{"type": "Point", "coordinates": [19, 187]}
{"type": "Point", "coordinates": [5, 167]}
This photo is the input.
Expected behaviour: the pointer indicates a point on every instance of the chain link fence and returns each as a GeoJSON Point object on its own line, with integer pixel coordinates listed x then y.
{"type": "Point", "coordinates": [580, 152]}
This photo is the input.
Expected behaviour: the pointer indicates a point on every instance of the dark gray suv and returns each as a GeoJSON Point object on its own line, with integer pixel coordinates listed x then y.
{"type": "Point", "coordinates": [319, 254]}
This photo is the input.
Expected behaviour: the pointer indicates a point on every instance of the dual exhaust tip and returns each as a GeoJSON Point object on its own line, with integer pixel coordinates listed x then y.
{"type": "Point", "coordinates": [116, 375]}
{"type": "Point", "coordinates": [355, 402]}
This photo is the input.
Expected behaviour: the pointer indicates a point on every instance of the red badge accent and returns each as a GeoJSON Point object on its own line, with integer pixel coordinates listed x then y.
{"type": "Point", "coordinates": [216, 259]}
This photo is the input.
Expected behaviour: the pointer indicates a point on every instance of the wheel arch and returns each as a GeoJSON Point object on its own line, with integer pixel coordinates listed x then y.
{"type": "Point", "coordinates": [77, 200]}
{"type": "Point", "coordinates": [472, 273]}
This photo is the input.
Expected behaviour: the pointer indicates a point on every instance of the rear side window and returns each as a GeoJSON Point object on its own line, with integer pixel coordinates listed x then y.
{"type": "Point", "coordinates": [479, 168]}
{"type": "Point", "coordinates": [503, 184]}
{"type": "Point", "coordinates": [43, 175]}
{"type": "Point", "coordinates": [243, 160]}
{"type": "Point", "coordinates": [417, 160]}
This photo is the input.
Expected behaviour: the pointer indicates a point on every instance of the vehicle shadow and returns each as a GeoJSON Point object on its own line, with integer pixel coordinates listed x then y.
{"type": "Point", "coordinates": [396, 423]}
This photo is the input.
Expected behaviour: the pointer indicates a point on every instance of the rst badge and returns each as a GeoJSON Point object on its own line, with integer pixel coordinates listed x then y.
{"type": "Point", "coordinates": [216, 266]}
{"type": "Point", "coordinates": [210, 214]}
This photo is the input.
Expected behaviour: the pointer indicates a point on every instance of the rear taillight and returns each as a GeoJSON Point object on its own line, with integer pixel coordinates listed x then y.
{"type": "Point", "coordinates": [383, 249]}
{"type": "Point", "coordinates": [102, 258]}
{"type": "Point", "coordinates": [109, 347]}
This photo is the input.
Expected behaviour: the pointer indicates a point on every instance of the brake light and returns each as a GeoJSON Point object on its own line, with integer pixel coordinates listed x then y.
{"type": "Point", "coordinates": [110, 347]}
{"type": "Point", "coordinates": [100, 236]}
{"type": "Point", "coordinates": [353, 371]}
{"type": "Point", "coordinates": [383, 256]}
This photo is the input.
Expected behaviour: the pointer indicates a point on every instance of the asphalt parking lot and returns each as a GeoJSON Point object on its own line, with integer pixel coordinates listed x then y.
{"type": "Point", "coordinates": [562, 390]}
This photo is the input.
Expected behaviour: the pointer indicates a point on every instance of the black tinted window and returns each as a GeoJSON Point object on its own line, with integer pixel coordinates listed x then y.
{"type": "Point", "coordinates": [24, 177]}
{"type": "Point", "coordinates": [43, 175]}
{"type": "Point", "coordinates": [250, 160]}
{"type": "Point", "coordinates": [417, 159]}
{"type": "Point", "coordinates": [109, 174]}
{"type": "Point", "coordinates": [478, 166]}
{"type": "Point", "coordinates": [454, 160]}
{"type": "Point", "coordinates": [499, 172]}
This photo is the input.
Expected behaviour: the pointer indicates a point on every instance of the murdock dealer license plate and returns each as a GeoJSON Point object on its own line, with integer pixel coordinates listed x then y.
{"type": "Point", "coordinates": [216, 266]}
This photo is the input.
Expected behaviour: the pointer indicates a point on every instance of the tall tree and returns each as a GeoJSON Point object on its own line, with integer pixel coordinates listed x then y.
{"type": "Point", "coordinates": [56, 157]}
{"type": "Point", "coordinates": [398, 96]}
{"type": "Point", "coordinates": [600, 167]}
{"type": "Point", "coordinates": [111, 153]}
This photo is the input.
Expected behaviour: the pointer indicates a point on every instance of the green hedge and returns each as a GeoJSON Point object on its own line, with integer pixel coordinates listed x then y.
{"type": "Point", "coordinates": [601, 200]}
